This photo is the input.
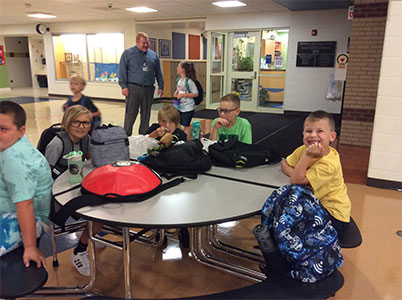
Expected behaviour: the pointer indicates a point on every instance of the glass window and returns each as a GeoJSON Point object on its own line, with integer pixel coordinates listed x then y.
{"type": "Point", "coordinates": [70, 55]}
{"type": "Point", "coordinates": [104, 52]}
{"type": "Point", "coordinates": [94, 56]}
{"type": "Point", "coordinates": [218, 50]}
{"type": "Point", "coordinates": [243, 52]}
{"type": "Point", "coordinates": [274, 45]}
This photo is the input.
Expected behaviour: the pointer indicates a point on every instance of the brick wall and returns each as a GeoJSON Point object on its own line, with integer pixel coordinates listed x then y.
{"type": "Point", "coordinates": [365, 52]}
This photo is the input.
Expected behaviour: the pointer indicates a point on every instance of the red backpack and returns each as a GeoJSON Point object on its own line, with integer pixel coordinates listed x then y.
{"type": "Point", "coordinates": [123, 181]}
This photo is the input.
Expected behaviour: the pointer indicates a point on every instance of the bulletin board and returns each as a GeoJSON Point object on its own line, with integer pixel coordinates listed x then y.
{"type": "Point", "coordinates": [194, 46]}
{"type": "Point", "coordinates": [179, 45]}
{"type": "Point", "coordinates": [2, 56]}
{"type": "Point", "coordinates": [316, 54]}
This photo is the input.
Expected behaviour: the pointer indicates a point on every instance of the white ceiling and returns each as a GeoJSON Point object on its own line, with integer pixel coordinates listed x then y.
{"type": "Point", "coordinates": [15, 11]}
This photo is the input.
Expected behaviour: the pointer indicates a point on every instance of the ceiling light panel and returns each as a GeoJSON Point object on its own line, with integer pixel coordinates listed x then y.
{"type": "Point", "coordinates": [229, 3]}
{"type": "Point", "coordinates": [141, 9]}
{"type": "Point", "coordinates": [41, 16]}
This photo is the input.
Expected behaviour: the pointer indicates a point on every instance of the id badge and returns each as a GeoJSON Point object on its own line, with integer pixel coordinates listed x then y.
{"type": "Point", "coordinates": [145, 68]}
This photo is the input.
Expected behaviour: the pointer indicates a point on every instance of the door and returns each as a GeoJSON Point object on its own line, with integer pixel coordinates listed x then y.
{"type": "Point", "coordinates": [244, 62]}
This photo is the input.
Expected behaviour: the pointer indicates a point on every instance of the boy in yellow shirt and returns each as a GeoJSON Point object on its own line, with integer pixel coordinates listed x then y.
{"type": "Point", "coordinates": [317, 164]}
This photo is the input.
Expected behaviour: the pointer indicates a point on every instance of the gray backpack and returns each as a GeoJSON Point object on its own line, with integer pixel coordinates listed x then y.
{"type": "Point", "coordinates": [108, 144]}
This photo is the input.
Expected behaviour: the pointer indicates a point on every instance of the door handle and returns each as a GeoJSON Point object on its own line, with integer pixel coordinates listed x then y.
{"type": "Point", "coordinates": [255, 74]}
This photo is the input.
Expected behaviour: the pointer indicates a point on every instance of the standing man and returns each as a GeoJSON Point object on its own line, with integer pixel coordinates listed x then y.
{"type": "Point", "coordinates": [137, 71]}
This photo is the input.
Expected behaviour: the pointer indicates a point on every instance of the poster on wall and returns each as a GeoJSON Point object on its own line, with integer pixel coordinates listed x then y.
{"type": "Point", "coordinates": [316, 54]}
{"type": "Point", "coordinates": [2, 56]}
{"type": "Point", "coordinates": [164, 48]}
{"type": "Point", "coordinates": [152, 44]}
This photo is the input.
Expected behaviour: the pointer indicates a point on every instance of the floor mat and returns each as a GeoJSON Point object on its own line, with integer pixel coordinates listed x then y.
{"type": "Point", "coordinates": [25, 100]}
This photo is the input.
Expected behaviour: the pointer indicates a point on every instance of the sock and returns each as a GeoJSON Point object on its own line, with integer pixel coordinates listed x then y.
{"type": "Point", "coordinates": [80, 248]}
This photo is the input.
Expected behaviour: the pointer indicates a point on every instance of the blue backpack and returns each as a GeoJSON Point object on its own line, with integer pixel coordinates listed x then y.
{"type": "Point", "coordinates": [303, 232]}
{"type": "Point", "coordinates": [200, 96]}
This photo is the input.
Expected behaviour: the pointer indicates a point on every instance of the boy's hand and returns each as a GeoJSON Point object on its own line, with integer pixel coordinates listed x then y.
{"type": "Point", "coordinates": [180, 95]}
{"type": "Point", "coordinates": [159, 132]}
{"type": "Point", "coordinates": [34, 254]}
{"type": "Point", "coordinates": [315, 150]}
{"type": "Point", "coordinates": [220, 122]}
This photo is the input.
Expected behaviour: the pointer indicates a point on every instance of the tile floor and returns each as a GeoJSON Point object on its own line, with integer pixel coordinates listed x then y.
{"type": "Point", "coordinates": [371, 271]}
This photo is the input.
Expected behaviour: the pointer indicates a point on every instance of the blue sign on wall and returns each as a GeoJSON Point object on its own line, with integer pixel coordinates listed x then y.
{"type": "Point", "coordinates": [106, 72]}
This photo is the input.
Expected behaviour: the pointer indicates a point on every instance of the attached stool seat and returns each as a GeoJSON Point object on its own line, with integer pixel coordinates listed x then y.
{"type": "Point", "coordinates": [279, 287]}
{"type": "Point", "coordinates": [15, 279]}
{"type": "Point", "coordinates": [351, 237]}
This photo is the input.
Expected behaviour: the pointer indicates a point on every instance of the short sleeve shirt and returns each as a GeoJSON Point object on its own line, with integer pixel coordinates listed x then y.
{"type": "Point", "coordinates": [326, 179]}
{"type": "Point", "coordinates": [241, 131]}
{"type": "Point", "coordinates": [24, 175]}
{"type": "Point", "coordinates": [186, 104]}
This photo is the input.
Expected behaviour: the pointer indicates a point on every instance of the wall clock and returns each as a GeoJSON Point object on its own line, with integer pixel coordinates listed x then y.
{"type": "Point", "coordinates": [41, 28]}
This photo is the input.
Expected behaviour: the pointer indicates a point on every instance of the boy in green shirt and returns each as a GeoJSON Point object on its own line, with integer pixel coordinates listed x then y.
{"type": "Point", "coordinates": [229, 124]}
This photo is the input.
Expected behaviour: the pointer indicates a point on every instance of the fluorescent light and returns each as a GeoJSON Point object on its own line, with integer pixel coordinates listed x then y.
{"type": "Point", "coordinates": [41, 16]}
{"type": "Point", "coordinates": [229, 3]}
{"type": "Point", "coordinates": [141, 9]}
{"type": "Point", "coordinates": [283, 30]}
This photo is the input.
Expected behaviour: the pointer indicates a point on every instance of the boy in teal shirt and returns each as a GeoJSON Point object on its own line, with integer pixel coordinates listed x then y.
{"type": "Point", "coordinates": [229, 124]}
{"type": "Point", "coordinates": [25, 187]}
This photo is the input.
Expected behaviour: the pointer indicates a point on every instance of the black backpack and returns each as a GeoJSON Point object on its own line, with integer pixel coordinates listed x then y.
{"type": "Point", "coordinates": [200, 96]}
{"type": "Point", "coordinates": [182, 159]}
{"type": "Point", "coordinates": [48, 135]}
{"type": "Point", "coordinates": [235, 154]}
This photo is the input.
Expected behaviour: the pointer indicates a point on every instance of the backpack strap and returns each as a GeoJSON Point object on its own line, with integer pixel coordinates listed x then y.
{"type": "Point", "coordinates": [185, 82]}
{"type": "Point", "coordinates": [61, 164]}
{"type": "Point", "coordinates": [82, 100]}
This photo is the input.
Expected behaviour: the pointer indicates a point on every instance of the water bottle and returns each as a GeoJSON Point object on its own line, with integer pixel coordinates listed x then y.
{"type": "Point", "coordinates": [75, 171]}
{"type": "Point", "coordinates": [196, 130]}
{"type": "Point", "coordinates": [264, 239]}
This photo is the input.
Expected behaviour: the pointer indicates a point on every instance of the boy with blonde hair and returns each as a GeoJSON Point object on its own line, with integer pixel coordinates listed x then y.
{"type": "Point", "coordinates": [168, 121]}
{"type": "Point", "coordinates": [77, 85]}
{"type": "Point", "coordinates": [229, 124]}
{"type": "Point", "coordinates": [316, 163]}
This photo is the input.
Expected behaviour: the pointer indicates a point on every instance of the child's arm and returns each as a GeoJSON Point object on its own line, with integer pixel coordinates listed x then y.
{"type": "Point", "coordinates": [299, 174]}
{"type": "Point", "coordinates": [218, 124]}
{"type": "Point", "coordinates": [286, 168]}
{"type": "Point", "coordinates": [26, 220]}
{"type": "Point", "coordinates": [186, 95]}
{"type": "Point", "coordinates": [158, 132]}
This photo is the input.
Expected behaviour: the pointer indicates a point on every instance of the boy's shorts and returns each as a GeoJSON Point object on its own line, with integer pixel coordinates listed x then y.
{"type": "Point", "coordinates": [185, 118]}
{"type": "Point", "coordinates": [10, 234]}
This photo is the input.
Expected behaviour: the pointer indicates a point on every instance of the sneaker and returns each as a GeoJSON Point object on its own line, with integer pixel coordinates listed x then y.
{"type": "Point", "coordinates": [81, 262]}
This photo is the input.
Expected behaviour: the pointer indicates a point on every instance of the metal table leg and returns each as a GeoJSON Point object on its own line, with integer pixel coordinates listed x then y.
{"type": "Point", "coordinates": [198, 250]}
{"type": "Point", "coordinates": [127, 265]}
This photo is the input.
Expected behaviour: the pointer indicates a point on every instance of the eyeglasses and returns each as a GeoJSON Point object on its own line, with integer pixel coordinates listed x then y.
{"type": "Point", "coordinates": [77, 123]}
{"type": "Point", "coordinates": [225, 111]}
